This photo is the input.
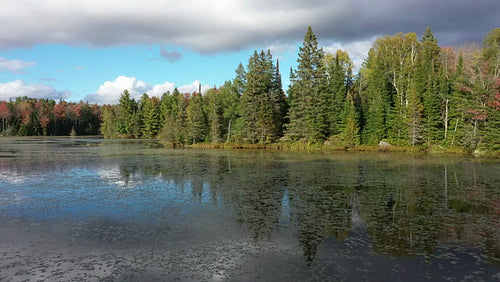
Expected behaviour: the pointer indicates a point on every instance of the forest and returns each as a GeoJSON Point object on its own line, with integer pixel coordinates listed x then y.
{"type": "Point", "coordinates": [408, 92]}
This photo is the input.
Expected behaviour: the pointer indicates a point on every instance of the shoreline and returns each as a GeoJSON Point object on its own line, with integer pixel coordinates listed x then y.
{"type": "Point", "coordinates": [304, 147]}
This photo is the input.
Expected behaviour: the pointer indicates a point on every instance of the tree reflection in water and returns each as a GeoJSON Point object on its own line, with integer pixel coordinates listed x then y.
{"type": "Point", "coordinates": [406, 208]}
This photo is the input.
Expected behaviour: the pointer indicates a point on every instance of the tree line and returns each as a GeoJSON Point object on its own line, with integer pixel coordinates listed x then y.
{"type": "Point", "coordinates": [408, 92]}
{"type": "Point", "coordinates": [26, 116]}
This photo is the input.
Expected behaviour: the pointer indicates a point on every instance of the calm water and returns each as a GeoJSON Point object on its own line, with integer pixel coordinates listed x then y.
{"type": "Point", "coordinates": [101, 210]}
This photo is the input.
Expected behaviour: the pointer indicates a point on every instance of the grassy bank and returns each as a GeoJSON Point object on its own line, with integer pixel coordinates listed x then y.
{"type": "Point", "coordinates": [311, 147]}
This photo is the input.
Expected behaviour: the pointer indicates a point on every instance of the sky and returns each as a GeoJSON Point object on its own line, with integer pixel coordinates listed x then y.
{"type": "Point", "coordinates": [92, 50]}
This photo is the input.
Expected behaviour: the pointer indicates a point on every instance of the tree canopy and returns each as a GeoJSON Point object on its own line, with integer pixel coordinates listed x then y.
{"type": "Point", "coordinates": [408, 92]}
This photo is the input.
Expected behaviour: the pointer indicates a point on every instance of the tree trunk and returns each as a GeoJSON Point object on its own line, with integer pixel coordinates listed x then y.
{"type": "Point", "coordinates": [446, 119]}
{"type": "Point", "coordinates": [454, 133]}
{"type": "Point", "coordinates": [229, 131]}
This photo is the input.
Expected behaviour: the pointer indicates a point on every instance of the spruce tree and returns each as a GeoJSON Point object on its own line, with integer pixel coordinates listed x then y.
{"type": "Point", "coordinates": [263, 101]}
{"type": "Point", "coordinates": [150, 118]}
{"type": "Point", "coordinates": [239, 81]}
{"type": "Point", "coordinates": [108, 124]}
{"type": "Point", "coordinates": [196, 120]}
{"type": "Point", "coordinates": [349, 131]}
{"type": "Point", "coordinates": [376, 100]}
{"type": "Point", "coordinates": [250, 100]}
{"type": "Point", "coordinates": [214, 115]}
{"type": "Point", "coordinates": [429, 88]}
{"type": "Point", "coordinates": [127, 117]}
{"type": "Point", "coordinates": [309, 109]}
{"type": "Point", "coordinates": [339, 81]}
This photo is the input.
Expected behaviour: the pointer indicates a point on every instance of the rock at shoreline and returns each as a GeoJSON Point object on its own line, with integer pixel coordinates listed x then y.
{"type": "Point", "coordinates": [383, 144]}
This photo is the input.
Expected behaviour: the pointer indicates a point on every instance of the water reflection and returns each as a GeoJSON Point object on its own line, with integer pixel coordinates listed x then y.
{"type": "Point", "coordinates": [408, 209]}
{"type": "Point", "coordinates": [402, 206]}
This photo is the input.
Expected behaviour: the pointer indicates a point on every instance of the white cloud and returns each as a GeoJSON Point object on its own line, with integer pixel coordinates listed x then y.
{"type": "Point", "coordinates": [193, 87]}
{"type": "Point", "coordinates": [14, 66]}
{"type": "Point", "coordinates": [110, 91]}
{"type": "Point", "coordinates": [19, 88]}
{"type": "Point", "coordinates": [159, 89]}
{"type": "Point", "coordinates": [357, 50]}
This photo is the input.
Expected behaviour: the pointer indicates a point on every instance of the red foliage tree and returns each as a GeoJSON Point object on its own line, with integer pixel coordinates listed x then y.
{"type": "Point", "coordinates": [5, 113]}
{"type": "Point", "coordinates": [43, 110]}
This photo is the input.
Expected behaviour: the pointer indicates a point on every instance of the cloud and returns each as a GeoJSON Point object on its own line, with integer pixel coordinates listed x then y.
{"type": "Point", "coordinates": [218, 26]}
{"type": "Point", "coordinates": [357, 50]}
{"type": "Point", "coordinates": [193, 87]}
{"type": "Point", "coordinates": [278, 50]}
{"type": "Point", "coordinates": [110, 91]}
{"type": "Point", "coordinates": [19, 88]}
{"type": "Point", "coordinates": [14, 66]}
{"type": "Point", "coordinates": [171, 56]}
{"type": "Point", "coordinates": [159, 89]}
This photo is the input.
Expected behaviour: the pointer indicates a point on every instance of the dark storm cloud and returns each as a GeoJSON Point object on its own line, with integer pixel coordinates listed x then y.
{"type": "Point", "coordinates": [171, 56]}
{"type": "Point", "coordinates": [217, 26]}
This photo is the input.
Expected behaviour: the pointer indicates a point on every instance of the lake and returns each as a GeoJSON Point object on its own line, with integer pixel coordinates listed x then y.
{"type": "Point", "coordinates": [130, 210]}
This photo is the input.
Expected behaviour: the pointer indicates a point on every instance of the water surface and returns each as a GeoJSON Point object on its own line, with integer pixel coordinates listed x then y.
{"type": "Point", "coordinates": [130, 210]}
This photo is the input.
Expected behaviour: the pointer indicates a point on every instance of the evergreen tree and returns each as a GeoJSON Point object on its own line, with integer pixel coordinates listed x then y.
{"type": "Point", "coordinates": [109, 124]}
{"type": "Point", "coordinates": [214, 115]}
{"type": "Point", "coordinates": [491, 52]}
{"type": "Point", "coordinates": [196, 120]}
{"type": "Point", "coordinates": [491, 55]}
{"type": "Point", "coordinates": [446, 83]}
{"type": "Point", "coordinates": [127, 124]}
{"type": "Point", "coordinates": [414, 117]}
{"type": "Point", "coordinates": [165, 107]}
{"type": "Point", "coordinates": [231, 111]}
{"type": "Point", "coordinates": [240, 81]}
{"type": "Point", "coordinates": [309, 108]}
{"type": "Point", "coordinates": [279, 101]}
{"type": "Point", "coordinates": [140, 111]}
{"type": "Point", "coordinates": [456, 104]}
{"type": "Point", "coordinates": [170, 110]}
{"type": "Point", "coordinates": [150, 118]}
{"type": "Point", "coordinates": [376, 100]}
{"type": "Point", "coordinates": [249, 100]}
{"type": "Point", "coordinates": [263, 102]}
{"type": "Point", "coordinates": [339, 81]}
{"type": "Point", "coordinates": [350, 122]}
{"type": "Point", "coordinates": [429, 89]}
{"type": "Point", "coordinates": [179, 126]}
